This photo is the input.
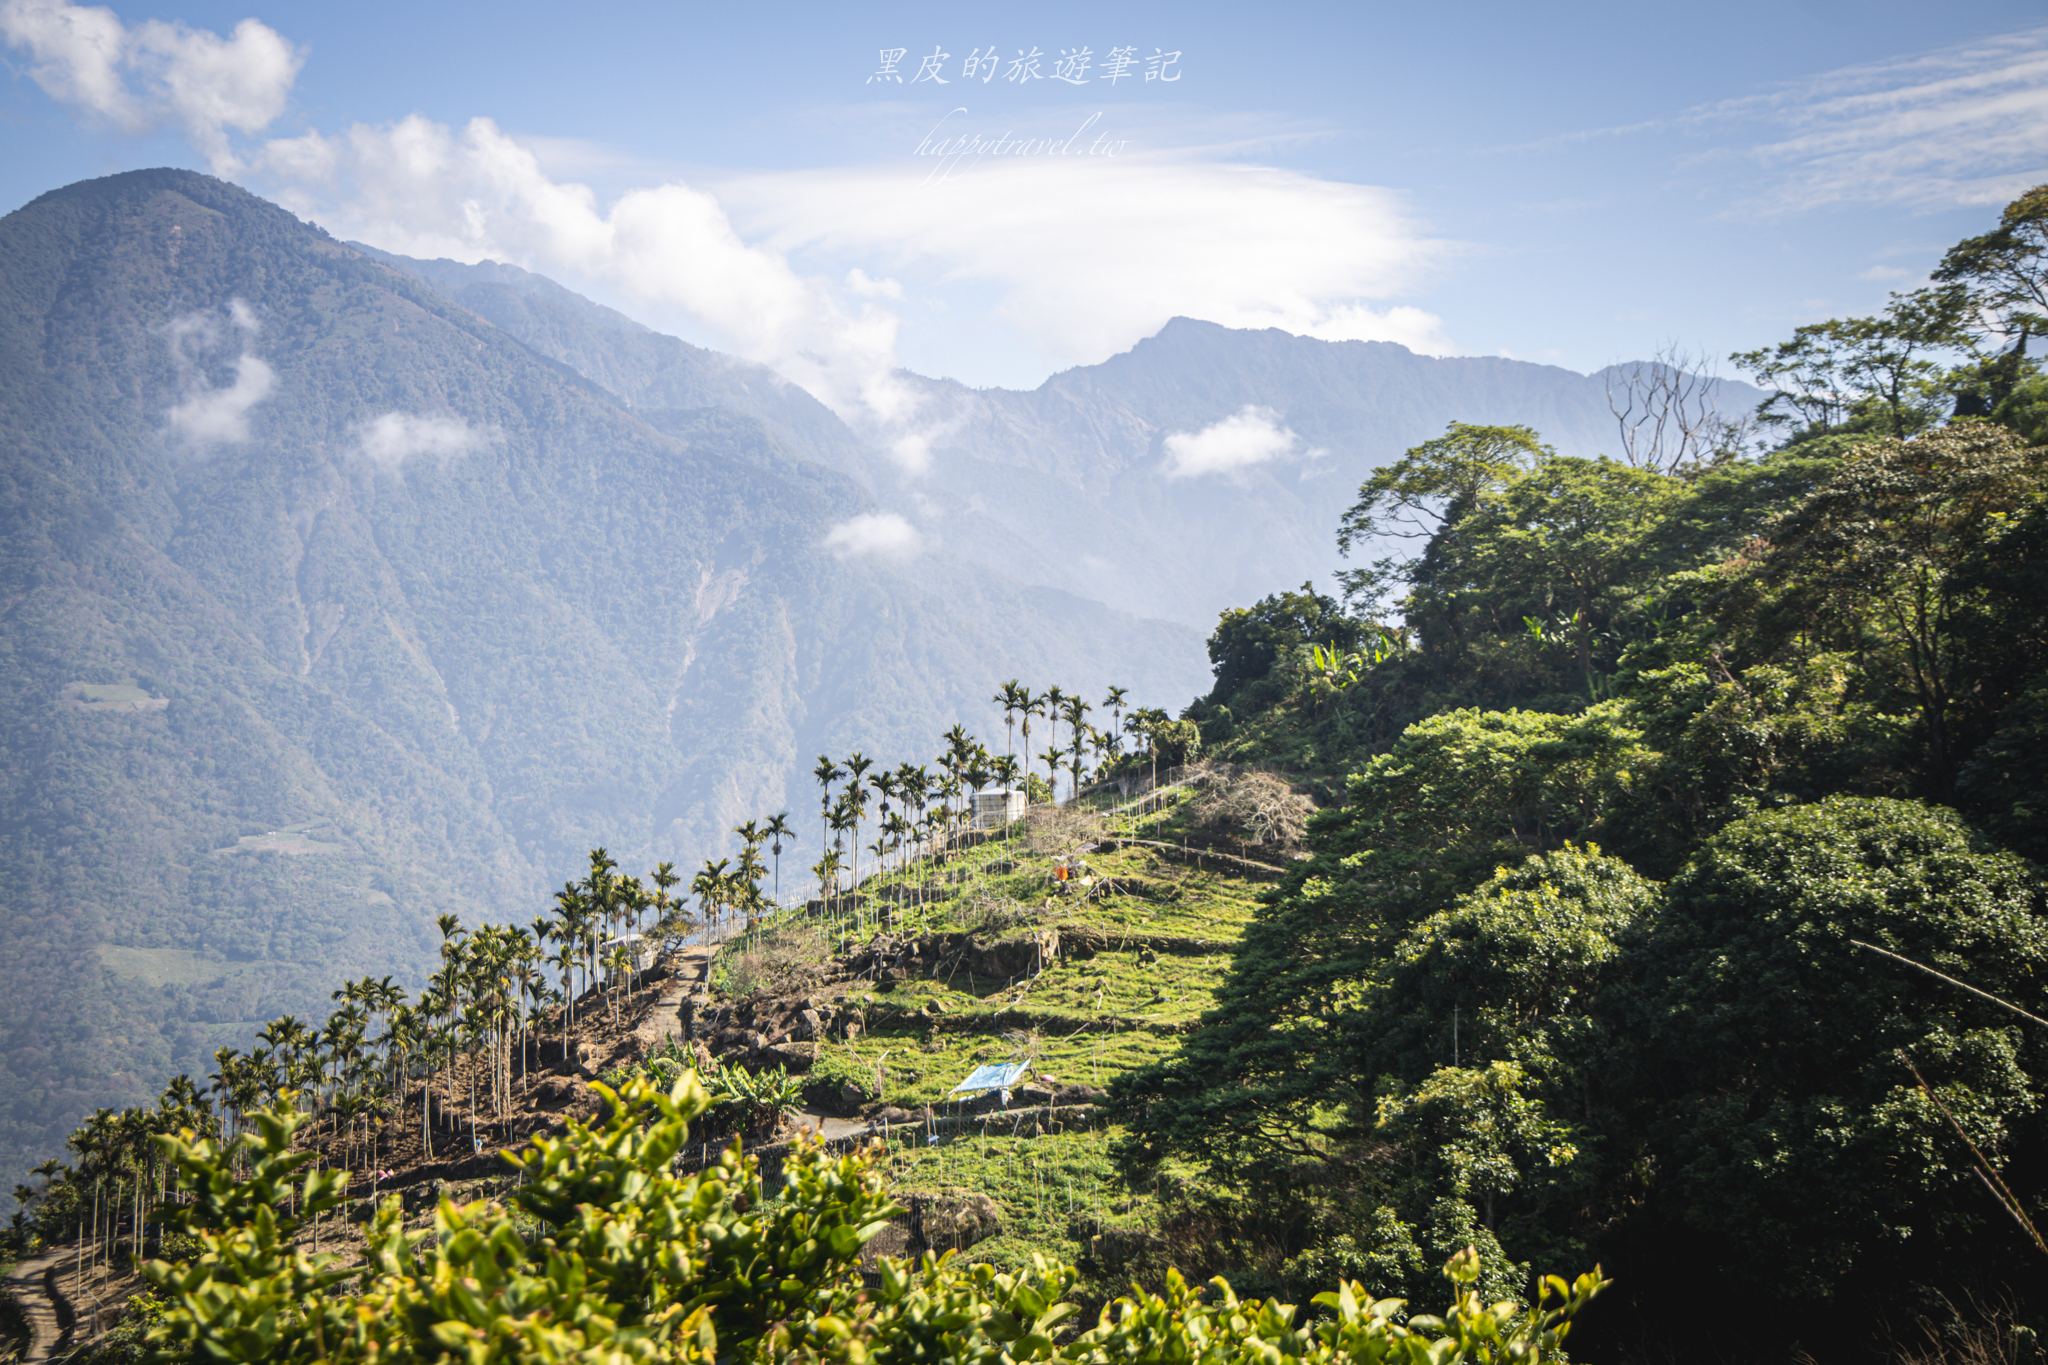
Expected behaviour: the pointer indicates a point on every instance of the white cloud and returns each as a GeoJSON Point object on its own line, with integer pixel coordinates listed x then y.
{"type": "Point", "coordinates": [1411, 327]}
{"type": "Point", "coordinates": [221, 416]}
{"type": "Point", "coordinates": [1251, 436]}
{"type": "Point", "coordinates": [156, 73]}
{"type": "Point", "coordinates": [912, 451]}
{"type": "Point", "coordinates": [392, 438]}
{"type": "Point", "coordinates": [422, 188]}
{"type": "Point", "coordinates": [1088, 255]}
{"type": "Point", "coordinates": [209, 415]}
{"type": "Point", "coordinates": [874, 535]}
{"type": "Point", "coordinates": [865, 285]}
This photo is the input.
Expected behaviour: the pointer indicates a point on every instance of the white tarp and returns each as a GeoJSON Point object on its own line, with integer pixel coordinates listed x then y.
{"type": "Point", "coordinates": [995, 1076]}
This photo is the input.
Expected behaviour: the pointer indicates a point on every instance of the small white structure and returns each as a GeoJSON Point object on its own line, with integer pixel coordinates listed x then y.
{"type": "Point", "coordinates": [638, 945]}
{"type": "Point", "coordinates": [995, 808]}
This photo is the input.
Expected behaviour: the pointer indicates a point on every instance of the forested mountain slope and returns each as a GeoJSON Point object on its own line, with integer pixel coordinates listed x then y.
{"type": "Point", "coordinates": [1679, 902]}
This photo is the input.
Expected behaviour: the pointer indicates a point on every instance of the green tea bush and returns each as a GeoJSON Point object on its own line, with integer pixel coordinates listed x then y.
{"type": "Point", "coordinates": [633, 1262]}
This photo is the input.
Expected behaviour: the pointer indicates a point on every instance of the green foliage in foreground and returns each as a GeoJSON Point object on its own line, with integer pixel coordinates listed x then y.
{"type": "Point", "coordinates": [603, 1253]}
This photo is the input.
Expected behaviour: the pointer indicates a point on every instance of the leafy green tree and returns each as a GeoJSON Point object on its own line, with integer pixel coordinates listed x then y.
{"type": "Point", "coordinates": [1250, 642]}
{"type": "Point", "coordinates": [1883, 373]}
{"type": "Point", "coordinates": [1730, 740]}
{"type": "Point", "coordinates": [1172, 742]}
{"type": "Point", "coordinates": [2001, 784]}
{"type": "Point", "coordinates": [1766, 1051]}
{"type": "Point", "coordinates": [1537, 573]}
{"type": "Point", "coordinates": [1873, 557]}
{"type": "Point", "coordinates": [1477, 1156]}
{"type": "Point", "coordinates": [1480, 1051]}
{"type": "Point", "coordinates": [1458, 796]}
{"type": "Point", "coordinates": [1510, 969]}
{"type": "Point", "coordinates": [1431, 487]}
{"type": "Point", "coordinates": [2005, 273]}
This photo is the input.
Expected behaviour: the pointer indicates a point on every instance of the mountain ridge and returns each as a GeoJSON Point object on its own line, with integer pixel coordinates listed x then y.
{"type": "Point", "coordinates": [1076, 466]}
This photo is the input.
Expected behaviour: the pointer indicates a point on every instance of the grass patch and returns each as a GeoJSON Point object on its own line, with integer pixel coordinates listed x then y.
{"type": "Point", "coordinates": [164, 966]}
{"type": "Point", "coordinates": [1157, 988]}
{"type": "Point", "coordinates": [105, 698]}
{"type": "Point", "coordinates": [1054, 1190]}
{"type": "Point", "coordinates": [1147, 942]}
{"type": "Point", "coordinates": [921, 1067]}
{"type": "Point", "coordinates": [305, 839]}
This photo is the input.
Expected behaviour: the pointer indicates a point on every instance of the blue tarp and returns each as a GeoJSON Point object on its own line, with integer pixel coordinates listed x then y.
{"type": "Point", "coordinates": [995, 1076]}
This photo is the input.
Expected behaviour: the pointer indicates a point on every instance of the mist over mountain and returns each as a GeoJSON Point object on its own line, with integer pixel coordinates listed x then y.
{"type": "Point", "coordinates": [329, 606]}
{"type": "Point", "coordinates": [663, 379]}
{"type": "Point", "coordinates": [1186, 475]}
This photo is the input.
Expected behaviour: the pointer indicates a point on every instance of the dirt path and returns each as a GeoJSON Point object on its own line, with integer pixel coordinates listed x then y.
{"type": "Point", "coordinates": [30, 1284]}
{"type": "Point", "coordinates": [664, 1017]}
{"type": "Point", "coordinates": [829, 1128]}
{"type": "Point", "coordinates": [692, 978]}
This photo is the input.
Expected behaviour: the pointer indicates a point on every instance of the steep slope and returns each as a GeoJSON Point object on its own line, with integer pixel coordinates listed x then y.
{"type": "Point", "coordinates": [326, 606]}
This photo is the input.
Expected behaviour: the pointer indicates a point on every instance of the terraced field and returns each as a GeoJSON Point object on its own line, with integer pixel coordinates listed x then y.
{"type": "Point", "coordinates": [1144, 936]}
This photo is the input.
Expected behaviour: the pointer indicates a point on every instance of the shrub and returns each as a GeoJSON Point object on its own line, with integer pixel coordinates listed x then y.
{"type": "Point", "coordinates": [1250, 808]}
{"type": "Point", "coordinates": [786, 961]}
{"type": "Point", "coordinates": [1770, 1057]}
{"type": "Point", "coordinates": [1060, 830]}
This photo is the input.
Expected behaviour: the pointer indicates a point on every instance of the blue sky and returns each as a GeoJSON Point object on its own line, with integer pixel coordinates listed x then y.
{"type": "Point", "coordinates": [1571, 184]}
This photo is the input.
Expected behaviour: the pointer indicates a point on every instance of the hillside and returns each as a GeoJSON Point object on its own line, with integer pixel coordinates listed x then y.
{"type": "Point", "coordinates": [329, 607]}
{"type": "Point", "coordinates": [1658, 886]}
{"type": "Point", "coordinates": [853, 1016]}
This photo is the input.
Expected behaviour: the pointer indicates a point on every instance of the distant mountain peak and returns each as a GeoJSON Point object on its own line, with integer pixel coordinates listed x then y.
{"type": "Point", "coordinates": [141, 185]}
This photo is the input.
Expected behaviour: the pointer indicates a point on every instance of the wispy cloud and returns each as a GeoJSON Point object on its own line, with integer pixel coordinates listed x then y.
{"type": "Point", "coordinates": [156, 73]}
{"type": "Point", "coordinates": [472, 193]}
{"type": "Point", "coordinates": [1249, 437]}
{"type": "Point", "coordinates": [1964, 125]}
{"type": "Point", "coordinates": [392, 438]}
{"type": "Point", "coordinates": [1087, 255]}
{"type": "Point", "coordinates": [1961, 126]}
